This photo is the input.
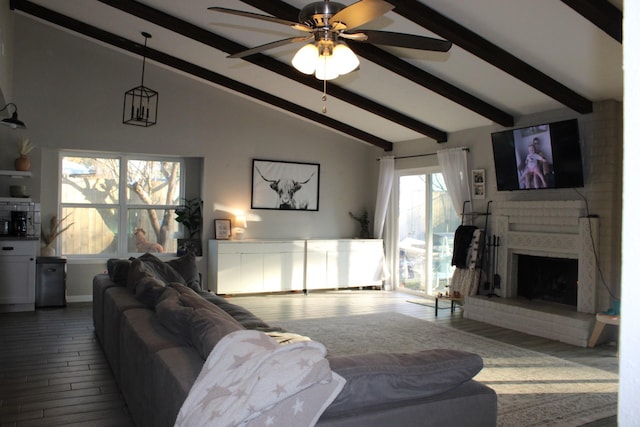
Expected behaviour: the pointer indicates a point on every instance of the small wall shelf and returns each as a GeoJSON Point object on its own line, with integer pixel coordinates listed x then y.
{"type": "Point", "coordinates": [16, 199]}
{"type": "Point", "coordinates": [16, 174]}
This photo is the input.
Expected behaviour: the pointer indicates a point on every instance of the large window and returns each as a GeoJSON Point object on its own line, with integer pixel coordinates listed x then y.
{"type": "Point", "coordinates": [119, 205]}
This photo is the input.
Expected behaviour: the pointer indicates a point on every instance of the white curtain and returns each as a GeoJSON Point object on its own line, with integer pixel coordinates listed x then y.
{"type": "Point", "coordinates": [455, 171]}
{"type": "Point", "coordinates": [385, 183]}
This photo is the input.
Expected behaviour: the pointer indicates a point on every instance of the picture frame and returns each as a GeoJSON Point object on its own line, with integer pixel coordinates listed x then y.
{"type": "Point", "coordinates": [478, 188]}
{"type": "Point", "coordinates": [282, 185]}
{"type": "Point", "coordinates": [222, 229]}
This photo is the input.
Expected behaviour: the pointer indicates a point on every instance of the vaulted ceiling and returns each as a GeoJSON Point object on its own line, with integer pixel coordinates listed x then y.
{"type": "Point", "coordinates": [508, 59]}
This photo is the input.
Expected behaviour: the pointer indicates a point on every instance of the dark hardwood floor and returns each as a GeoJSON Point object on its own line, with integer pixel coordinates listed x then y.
{"type": "Point", "coordinates": [53, 371]}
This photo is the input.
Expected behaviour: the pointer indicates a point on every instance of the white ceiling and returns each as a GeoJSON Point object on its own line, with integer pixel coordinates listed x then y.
{"type": "Point", "coordinates": [546, 34]}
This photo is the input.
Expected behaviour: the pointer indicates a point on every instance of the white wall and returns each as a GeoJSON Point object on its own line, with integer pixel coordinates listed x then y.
{"type": "Point", "coordinates": [628, 408]}
{"type": "Point", "coordinates": [71, 92]}
{"type": "Point", "coordinates": [6, 54]}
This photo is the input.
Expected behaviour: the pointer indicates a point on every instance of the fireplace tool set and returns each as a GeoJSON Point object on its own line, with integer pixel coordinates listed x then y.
{"type": "Point", "coordinates": [493, 243]}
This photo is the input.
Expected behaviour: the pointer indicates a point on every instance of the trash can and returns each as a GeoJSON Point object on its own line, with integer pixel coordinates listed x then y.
{"type": "Point", "coordinates": [51, 275]}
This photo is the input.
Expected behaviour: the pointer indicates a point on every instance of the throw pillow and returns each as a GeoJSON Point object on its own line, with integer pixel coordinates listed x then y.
{"type": "Point", "coordinates": [160, 269]}
{"type": "Point", "coordinates": [382, 378]}
{"type": "Point", "coordinates": [118, 269]}
{"type": "Point", "coordinates": [186, 266]}
{"type": "Point", "coordinates": [148, 289]}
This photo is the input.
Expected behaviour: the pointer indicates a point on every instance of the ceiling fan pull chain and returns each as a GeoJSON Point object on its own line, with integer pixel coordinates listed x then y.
{"type": "Point", "coordinates": [324, 97]}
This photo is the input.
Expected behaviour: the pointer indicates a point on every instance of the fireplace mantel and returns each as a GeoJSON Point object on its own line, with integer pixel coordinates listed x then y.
{"type": "Point", "coordinates": [557, 229]}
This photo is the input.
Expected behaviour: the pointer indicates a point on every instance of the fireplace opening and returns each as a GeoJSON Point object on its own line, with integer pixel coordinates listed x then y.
{"type": "Point", "coordinates": [548, 279]}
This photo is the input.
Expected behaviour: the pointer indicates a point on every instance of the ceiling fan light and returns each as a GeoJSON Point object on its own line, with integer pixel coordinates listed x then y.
{"type": "Point", "coordinates": [326, 68]}
{"type": "Point", "coordinates": [306, 58]}
{"type": "Point", "coordinates": [344, 58]}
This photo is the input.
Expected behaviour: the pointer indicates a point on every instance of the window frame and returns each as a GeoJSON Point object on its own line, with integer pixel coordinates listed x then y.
{"type": "Point", "coordinates": [123, 206]}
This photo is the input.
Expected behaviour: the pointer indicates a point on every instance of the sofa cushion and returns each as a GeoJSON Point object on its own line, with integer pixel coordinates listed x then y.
{"type": "Point", "coordinates": [174, 316]}
{"type": "Point", "coordinates": [148, 265]}
{"type": "Point", "coordinates": [118, 270]}
{"type": "Point", "coordinates": [186, 266]}
{"type": "Point", "coordinates": [247, 319]}
{"type": "Point", "coordinates": [381, 378]}
{"type": "Point", "coordinates": [208, 326]}
{"type": "Point", "coordinates": [148, 289]}
{"type": "Point", "coordinates": [194, 319]}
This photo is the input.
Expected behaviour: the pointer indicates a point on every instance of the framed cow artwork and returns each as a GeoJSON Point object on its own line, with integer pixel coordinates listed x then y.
{"type": "Point", "coordinates": [285, 185]}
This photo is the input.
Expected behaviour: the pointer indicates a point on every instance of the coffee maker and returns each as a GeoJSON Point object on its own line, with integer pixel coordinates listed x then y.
{"type": "Point", "coordinates": [19, 223]}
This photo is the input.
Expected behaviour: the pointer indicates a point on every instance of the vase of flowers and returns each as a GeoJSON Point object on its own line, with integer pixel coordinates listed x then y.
{"type": "Point", "coordinates": [23, 163]}
{"type": "Point", "coordinates": [49, 237]}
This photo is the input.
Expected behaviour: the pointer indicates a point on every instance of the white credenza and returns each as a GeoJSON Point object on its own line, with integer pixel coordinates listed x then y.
{"type": "Point", "coordinates": [237, 267]}
{"type": "Point", "coordinates": [344, 263]}
{"type": "Point", "coordinates": [17, 275]}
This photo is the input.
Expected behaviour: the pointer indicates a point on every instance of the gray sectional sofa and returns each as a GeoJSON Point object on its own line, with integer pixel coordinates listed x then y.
{"type": "Point", "coordinates": [156, 326]}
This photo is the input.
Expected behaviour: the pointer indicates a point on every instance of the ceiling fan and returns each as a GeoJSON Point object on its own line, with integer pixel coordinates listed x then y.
{"type": "Point", "coordinates": [326, 22]}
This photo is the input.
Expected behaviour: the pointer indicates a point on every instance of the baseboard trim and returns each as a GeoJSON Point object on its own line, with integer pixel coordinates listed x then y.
{"type": "Point", "coordinates": [80, 298]}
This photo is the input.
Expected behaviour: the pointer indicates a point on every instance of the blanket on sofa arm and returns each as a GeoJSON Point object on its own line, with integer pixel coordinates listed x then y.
{"type": "Point", "coordinates": [251, 380]}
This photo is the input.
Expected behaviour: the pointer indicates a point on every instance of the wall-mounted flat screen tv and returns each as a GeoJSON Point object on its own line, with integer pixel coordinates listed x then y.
{"type": "Point", "coordinates": [536, 157]}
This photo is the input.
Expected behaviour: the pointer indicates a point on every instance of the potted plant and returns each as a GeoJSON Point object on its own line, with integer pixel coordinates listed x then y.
{"type": "Point", "coordinates": [363, 221]}
{"type": "Point", "coordinates": [23, 163]}
{"type": "Point", "coordinates": [189, 214]}
{"type": "Point", "coordinates": [48, 237]}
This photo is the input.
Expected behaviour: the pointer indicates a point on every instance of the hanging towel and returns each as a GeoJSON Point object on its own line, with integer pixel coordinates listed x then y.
{"type": "Point", "coordinates": [461, 242]}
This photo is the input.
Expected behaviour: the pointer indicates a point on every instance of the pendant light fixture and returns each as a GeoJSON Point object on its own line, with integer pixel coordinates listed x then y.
{"type": "Point", "coordinates": [141, 102]}
{"type": "Point", "coordinates": [326, 58]}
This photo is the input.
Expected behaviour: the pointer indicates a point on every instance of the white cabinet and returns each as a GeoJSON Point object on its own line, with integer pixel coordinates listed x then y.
{"type": "Point", "coordinates": [344, 263]}
{"type": "Point", "coordinates": [237, 266]}
{"type": "Point", "coordinates": [17, 274]}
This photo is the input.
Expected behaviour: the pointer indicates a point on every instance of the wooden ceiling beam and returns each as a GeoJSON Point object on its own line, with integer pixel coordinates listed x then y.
{"type": "Point", "coordinates": [195, 70]}
{"type": "Point", "coordinates": [402, 68]}
{"type": "Point", "coordinates": [430, 19]}
{"type": "Point", "coordinates": [601, 13]}
{"type": "Point", "coordinates": [218, 42]}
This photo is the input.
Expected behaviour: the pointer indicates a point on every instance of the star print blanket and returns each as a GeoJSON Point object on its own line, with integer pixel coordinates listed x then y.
{"type": "Point", "coordinates": [250, 380]}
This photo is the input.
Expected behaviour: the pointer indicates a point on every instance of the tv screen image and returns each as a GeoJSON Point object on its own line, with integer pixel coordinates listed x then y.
{"type": "Point", "coordinates": [537, 157]}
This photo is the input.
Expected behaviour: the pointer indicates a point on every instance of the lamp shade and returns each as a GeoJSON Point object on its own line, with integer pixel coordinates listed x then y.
{"type": "Point", "coordinates": [241, 221]}
{"type": "Point", "coordinates": [326, 68]}
{"type": "Point", "coordinates": [306, 58]}
{"type": "Point", "coordinates": [344, 59]}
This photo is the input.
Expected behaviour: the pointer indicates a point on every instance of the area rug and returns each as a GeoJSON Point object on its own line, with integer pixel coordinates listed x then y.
{"type": "Point", "coordinates": [533, 389]}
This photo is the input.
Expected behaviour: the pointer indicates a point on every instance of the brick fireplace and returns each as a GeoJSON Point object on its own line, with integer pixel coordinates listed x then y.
{"type": "Point", "coordinates": [550, 229]}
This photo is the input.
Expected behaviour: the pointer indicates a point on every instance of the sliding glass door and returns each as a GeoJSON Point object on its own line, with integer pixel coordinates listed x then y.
{"type": "Point", "coordinates": [425, 224]}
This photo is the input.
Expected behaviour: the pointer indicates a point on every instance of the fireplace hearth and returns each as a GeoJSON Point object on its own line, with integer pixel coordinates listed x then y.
{"type": "Point", "coordinates": [554, 232]}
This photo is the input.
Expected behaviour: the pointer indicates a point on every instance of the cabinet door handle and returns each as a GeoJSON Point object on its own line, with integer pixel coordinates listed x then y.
{"type": "Point", "coordinates": [7, 248]}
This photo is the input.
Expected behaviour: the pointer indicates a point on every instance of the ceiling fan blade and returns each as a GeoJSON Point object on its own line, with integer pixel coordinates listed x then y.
{"type": "Point", "coordinates": [271, 45]}
{"type": "Point", "coordinates": [292, 24]}
{"type": "Point", "coordinates": [359, 14]}
{"type": "Point", "coordinates": [400, 40]}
